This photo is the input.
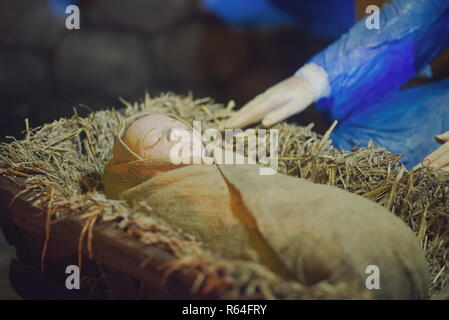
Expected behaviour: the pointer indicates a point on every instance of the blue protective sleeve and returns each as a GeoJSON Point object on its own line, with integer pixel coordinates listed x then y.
{"type": "Point", "coordinates": [328, 19]}
{"type": "Point", "coordinates": [406, 122]}
{"type": "Point", "coordinates": [59, 6]}
{"type": "Point", "coordinates": [365, 66]}
{"type": "Point", "coordinates": [251, 13]}
{"type": "Point", "coordinates": [325, 18]}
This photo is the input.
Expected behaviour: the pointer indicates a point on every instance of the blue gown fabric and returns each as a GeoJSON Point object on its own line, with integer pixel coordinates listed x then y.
{"type": "Point", "coordinates": [324, 18]}
{"type": "Point", "coordinates": [367, 69]}
{"type": "Point", "coordinates": [405, 123]}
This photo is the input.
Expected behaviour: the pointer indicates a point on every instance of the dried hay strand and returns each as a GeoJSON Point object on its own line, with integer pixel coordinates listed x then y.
{"type": "Point", "coordinates": [63, 162]}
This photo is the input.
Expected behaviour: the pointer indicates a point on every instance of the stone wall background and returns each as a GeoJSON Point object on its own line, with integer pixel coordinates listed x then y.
{"type": "Point", "coordinates": [126, 47]}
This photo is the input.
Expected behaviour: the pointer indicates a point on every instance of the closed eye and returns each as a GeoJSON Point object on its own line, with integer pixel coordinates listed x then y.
{"type": "Point", "coordinates": [151, 138]}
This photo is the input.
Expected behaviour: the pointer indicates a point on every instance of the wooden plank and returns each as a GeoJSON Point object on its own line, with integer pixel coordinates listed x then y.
{"type": "Point", "coordinates": [111, 246]}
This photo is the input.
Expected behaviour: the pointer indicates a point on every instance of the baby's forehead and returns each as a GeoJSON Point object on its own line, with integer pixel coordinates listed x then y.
{"type": "Point", "coordinates": [158, 122]}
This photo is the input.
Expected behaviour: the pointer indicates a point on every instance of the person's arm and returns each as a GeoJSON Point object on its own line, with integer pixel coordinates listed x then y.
{"type": "Point", "coordinates": [366, 65]}
{"type": "Point", "coordinates": [363, 66]}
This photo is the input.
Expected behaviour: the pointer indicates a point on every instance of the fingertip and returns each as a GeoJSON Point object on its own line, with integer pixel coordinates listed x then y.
{"type": "Point", "coordinates": [268, 122]}
{"type": "Point", "coordinates": [227, 124]}
{"type": "Point", "coordinates": [272, 118]}
{"type": "Point", "coordinates": [442, 138]}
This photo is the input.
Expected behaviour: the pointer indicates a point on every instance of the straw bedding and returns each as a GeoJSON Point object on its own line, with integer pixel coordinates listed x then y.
{"type": "Point", "coordinates": [63, 162]}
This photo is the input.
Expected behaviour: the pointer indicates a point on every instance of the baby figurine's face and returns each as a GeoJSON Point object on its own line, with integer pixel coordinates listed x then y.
{"type": "Point", "coordinates": [152, 136]}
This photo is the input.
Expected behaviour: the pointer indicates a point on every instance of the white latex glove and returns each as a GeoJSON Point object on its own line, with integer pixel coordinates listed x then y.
{"type": "Point", "coordinates": [283, 100]}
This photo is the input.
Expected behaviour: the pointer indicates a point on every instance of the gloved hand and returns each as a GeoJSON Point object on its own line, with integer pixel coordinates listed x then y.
{"type": "Point", "coordinates": [439, 159]}
{"type": "Point", "coordinates": [279, 102]}
{"type": "Point", "coordinates": [283, 100]}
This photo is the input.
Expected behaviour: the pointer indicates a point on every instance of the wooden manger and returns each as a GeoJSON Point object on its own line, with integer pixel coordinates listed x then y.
{"type": "Point", "coordinates": [128, 266]}
{"type": "Point", "coordinates": [54, 177]}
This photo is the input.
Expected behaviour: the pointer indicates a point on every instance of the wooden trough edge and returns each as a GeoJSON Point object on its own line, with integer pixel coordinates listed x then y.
{"type": "Point", "coordinates": [111, 246]}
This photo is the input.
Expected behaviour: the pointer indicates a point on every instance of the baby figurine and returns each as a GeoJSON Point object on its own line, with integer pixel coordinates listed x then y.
{"type": "Point", "coordinates": [149, 137]}
{"type": "Point", "coordinates": [299, 230]}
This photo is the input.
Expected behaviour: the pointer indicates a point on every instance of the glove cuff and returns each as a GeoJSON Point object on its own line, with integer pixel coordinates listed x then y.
{"type": "Point", "coordinates": [317, 78]}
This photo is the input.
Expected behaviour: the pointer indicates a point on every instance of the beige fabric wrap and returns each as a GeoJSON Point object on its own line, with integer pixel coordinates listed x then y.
{"type": "Point", "coordinates": [298, 229]}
